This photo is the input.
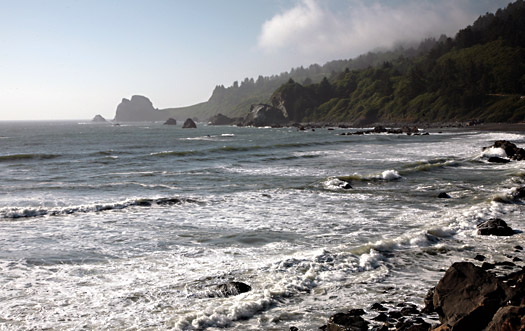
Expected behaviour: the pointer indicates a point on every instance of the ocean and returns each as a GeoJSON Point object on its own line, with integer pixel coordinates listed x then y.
{"type": "Point", "coordinates": [134, 226]}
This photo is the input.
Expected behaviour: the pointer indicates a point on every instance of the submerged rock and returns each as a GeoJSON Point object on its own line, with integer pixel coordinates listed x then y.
{"type": "Point", "coordinates": [443, 195]}
{"type": "Point", "coordinates": [229, 289]}
{"type": "Point", "coordinates": [496, 227]}
{"type": "Point", "coordinates": [495, 159]}
{"type": "Point", "coordinates": [189, 124]}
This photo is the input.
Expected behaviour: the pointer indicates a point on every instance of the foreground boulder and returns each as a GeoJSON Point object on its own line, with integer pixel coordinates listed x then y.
{"type": "Point", "coordinates": [495, 227]}
{"type": "Point", "coordinates": [467, 297]}
{"type": "Point", "coordinates": [171, 121]}
{"type": "Point", "coordinates": [189, 124]}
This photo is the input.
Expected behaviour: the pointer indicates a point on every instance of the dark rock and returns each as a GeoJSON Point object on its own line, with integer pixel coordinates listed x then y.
{"type": "Point", "coordinates": [444, 195]}
{"type": "Point", "coordinates": [429, 302]}
{"type": "Point", "coordinates": [413, 325]}
{"type": "Point", "coordinates": [496, 159]}
{"type": "Point", "coordinates": [512, 151]}
{"type": "Point", "coordinates": [467, 297]}
{"type": "Point", "coordinates": [409, 311]}
{"type": "Point", "coordinates": [265, 115]}
{"type": "Point", "coordinates": [139, 108]}
{"type": "Point", "coordinates": [518, 247]}
{"type": "Point", "coordinates": [505, 263]}
{"type": "Point", "coordinates": [516, 259]}
{"type": "Point", "coordinates": [189, 124]}
{"type": "Point", "coordinates": [378, 306]}
{"type": "Point", "coordinates": [229, 289]}
{"type": "Point", "coordinates": [345, 186]}
{"type": "Point", "coordinates": [99, 119]}
{"type": "Point", "coordinates": [356, 312]}
{"type": "Point", "coordinates": [519, 193]}
{"type": "Point", "coordinates": [294, 328]}
{"type": "Point", "coordinates": [379, 129]}
{"type": "Point", "coordinates": [480, 258]}
{"type": "Point", "coordinates": [395, 314]}
{"type": "Point", "coordinates": [171, 121]}
{"type": "Point", "coordinates": [508, 318]}
{"type": "Point", "coordinates": [487, 266]}
{"type": "Point", "coordinates": [221, 119]}
{"type": "Point", "coordinates": [496, 227]}
{"type": "Point", "coordinates": [382, 317]}
{"type": "Point", "coordinates": [346, 322]}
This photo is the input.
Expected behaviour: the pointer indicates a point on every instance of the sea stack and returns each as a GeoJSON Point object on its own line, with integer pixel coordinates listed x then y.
{"type": "Point", "coordinates": [189, 124]}
{"type": "Point", "coordinates": [138, 109]}
{"type": "Point", "coordinates": [98, 119]}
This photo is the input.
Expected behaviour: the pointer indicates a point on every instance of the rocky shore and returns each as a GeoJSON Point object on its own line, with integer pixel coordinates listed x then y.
{"type": "Point", "coordinates": [471, 295]}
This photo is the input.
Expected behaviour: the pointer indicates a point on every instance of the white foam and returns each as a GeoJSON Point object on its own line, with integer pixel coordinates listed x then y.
{"type": "Point", "coordinates": [390, 175]}
{"type": "Point", "coordinates": [494, 152]}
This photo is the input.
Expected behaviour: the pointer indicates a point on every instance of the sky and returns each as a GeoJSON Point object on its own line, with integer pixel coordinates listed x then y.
{"type": "Point", "coordinates": [77, 58]}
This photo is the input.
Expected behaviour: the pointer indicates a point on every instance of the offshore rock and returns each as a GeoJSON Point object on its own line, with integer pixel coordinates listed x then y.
{"type": "Point", "coordinates": [495, 159]}
{"type": "Point", "coordinates": [171, 121]}
{"type": "Point", "coordinates": [99, 119]}
{"type": "Point", "coordinates": [496, 227]}
{"type": "Point", "coordinates": [189, 124]}
{"type": "Point", "coordinates": [512, 151]}
{"type": "Point", "coordinates": [443, 195]}
{"type": "Point", "coordinates": [138, 109]}
{"type": "Point", "coordinates": [265, 115]}
{"type": "Point", "coordinates": [467, 297]}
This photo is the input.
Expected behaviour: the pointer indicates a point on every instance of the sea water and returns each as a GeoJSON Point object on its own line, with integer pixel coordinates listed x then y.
{"type": "Point", "coordinates": [133, 226]}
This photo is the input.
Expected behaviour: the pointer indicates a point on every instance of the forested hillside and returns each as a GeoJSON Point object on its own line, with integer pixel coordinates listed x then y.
{"type": "Point", "coordinates": [478, 75]}
{"type": "Point", "coordinates": [235, 100]}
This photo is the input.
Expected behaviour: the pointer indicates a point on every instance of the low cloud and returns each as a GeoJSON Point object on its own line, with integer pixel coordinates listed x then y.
{"type": "Point", "coordinates": [314, 31]}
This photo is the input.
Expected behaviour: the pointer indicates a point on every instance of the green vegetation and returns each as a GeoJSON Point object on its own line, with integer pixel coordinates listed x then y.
{"type": "Point", "coordinates": [478, 75]}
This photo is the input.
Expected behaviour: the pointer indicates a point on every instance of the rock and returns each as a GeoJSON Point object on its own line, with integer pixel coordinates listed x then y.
{"type": "Point", "coordinates": [496, 159]}
{"type": "Point", "coordinates": [379, 129]}
{"type": "Point", "coordinates": [443, 195]}
{"type": "Point", "coordinates": [512, 151]}
{"type": "Point", "coordinates": [378, 307]}
{"type": "Point", "coordinates": [99, 119]}
{"type": "Point", "coordinates": [265, 115]}
{"type": "Point", "coordinates": [294, 328]}
{"type": "Point", "coordinates": [508, 318]}
{"type": "Point", "coordinates": [409, 311]}
{"type": "Point", "coordinates": [221, 119]}
{"type": "Point", "coordinates": [467, 297]}
{"type": "Point", "coordinates": [345, 186]}
{"type": "Point", "coordinates": [171, 121]}
{"type": "Point", "coordinates": [139, 108]}
{"type": "Point", "coordinates": [519, 193]}
{"type": "Point", "coordinates": [429, 302]}
{"type": "Point", "coordinates": [229, 289]}
{"type": "Point", "coordinates": [189, 124]}
{"type": "Point", "coordinates": [480, 258]}
{"type": "Point", "coordinates": [496, 227]}
{"type": "Point", "coordinates": [382, 317]}
{"type": "Point", "coordinates": [346, 322]}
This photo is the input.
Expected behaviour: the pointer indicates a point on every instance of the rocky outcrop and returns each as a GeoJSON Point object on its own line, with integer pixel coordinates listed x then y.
{"type": "Point", "coordinates": [99, 119]}
{"type": "Point", "coordinates": [513, 152]}
{"type": "Point", "coordinates": [221, 119]}
{"type": "Point", "coordinates": [351, 320]}
{"type": "Point", "coordinates": [189, 124]}
{"type": "Point", "coordinates": [171, 121]}
{"type": "Point", "coordinates": [265, 115]}
{"type": "Point", "coordinates": [495, 227]}
{"type": "Point", "coordinates": [138, 109]}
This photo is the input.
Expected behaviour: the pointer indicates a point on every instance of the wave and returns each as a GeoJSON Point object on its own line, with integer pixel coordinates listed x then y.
{"type": "Point", "coordinates": [22, 157]}
{"type": "Point", "coordinates": [387, 175]}
{"type": "Point", "coordinates": [30, 212]}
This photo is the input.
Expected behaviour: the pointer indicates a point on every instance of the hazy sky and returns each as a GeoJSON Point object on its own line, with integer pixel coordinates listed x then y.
{"type": "Point", "coordinates": [73, 59]}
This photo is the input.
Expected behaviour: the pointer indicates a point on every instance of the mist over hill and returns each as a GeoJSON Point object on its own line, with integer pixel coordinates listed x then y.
{"type": "Point", "coordinates": [477, 75]}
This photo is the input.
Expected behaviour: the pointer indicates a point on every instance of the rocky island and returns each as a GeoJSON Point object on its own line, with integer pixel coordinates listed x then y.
{"type": "Point", "coordinates": [137, 109]}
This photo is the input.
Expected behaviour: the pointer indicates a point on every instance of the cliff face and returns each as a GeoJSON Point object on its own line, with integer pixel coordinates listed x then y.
{"type": "Point", "coordinates": [139, 108]}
